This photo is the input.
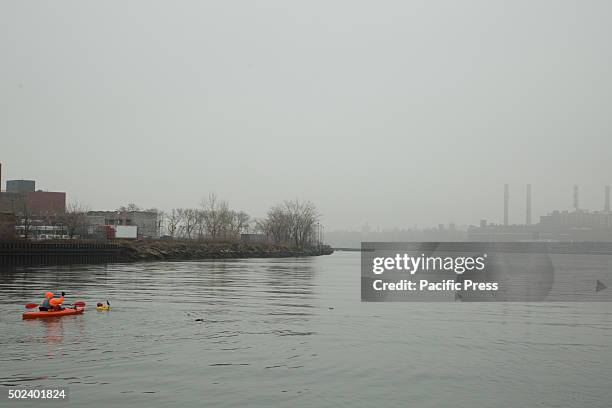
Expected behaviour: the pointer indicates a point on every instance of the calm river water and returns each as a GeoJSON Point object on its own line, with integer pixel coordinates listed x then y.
{"type": "Point", "coordinates": [293, 332]}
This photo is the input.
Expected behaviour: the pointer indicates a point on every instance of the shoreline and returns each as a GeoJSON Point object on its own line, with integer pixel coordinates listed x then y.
{"type": "Point", "coordinates": [18, 252]}
{"type": "Point", "coordinates": [190, 250]}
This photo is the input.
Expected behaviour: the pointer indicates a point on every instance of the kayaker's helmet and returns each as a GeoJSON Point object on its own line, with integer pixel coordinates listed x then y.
{"type": "Point", "coordinates": [48, 295]}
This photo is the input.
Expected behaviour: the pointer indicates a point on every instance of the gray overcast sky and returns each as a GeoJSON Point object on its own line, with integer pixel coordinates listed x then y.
{"type": "Point", "coordinates": [394, 113]}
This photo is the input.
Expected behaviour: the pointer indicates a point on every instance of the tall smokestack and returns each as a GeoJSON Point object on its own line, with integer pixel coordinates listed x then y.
{"type": "Point", "coordinates": [506, 199]}
{"type": "Point", "coordinates": [528, 206]}
{"type": "Point", "coordinates": [607, 200]}
{"type": "Point", "coordinates": [576, 197]}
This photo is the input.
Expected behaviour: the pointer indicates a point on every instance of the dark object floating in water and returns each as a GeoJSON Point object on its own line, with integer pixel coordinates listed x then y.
{"type": "Point", "coordinates": [199, 320]}
{"type": "Point", "coordinates": [600, 286]}
{"type": "Point", "coordinates": [331, 308]}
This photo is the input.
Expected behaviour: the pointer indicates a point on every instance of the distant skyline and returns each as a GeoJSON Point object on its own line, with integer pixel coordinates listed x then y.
{"type": "Point", "coordinates": [517, 211]}
{"type": "Point", "coordinates": [389, 113]}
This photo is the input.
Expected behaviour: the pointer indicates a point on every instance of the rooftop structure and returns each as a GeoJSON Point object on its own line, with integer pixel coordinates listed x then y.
{"type": "Point", "coordinates": [20, 186]}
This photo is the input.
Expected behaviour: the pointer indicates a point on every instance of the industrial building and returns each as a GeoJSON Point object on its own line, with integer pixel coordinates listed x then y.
{"type": "Point", "coordinates": [146, 221]}
{"type": "Point", "coordinates": [7, 226]}
{"type": "Point", "coordinates": [33, 214]}
{"type": "Point", "coordinates": [21, 197]}
{"type": "Point", "coordinates": [576, 225]}
{"type": "Point", "coordinates": [29, 213]}
{"type": "Point", "coordinates": [44, 203]}
{"type": "Point", "coordinates": [576, 219]}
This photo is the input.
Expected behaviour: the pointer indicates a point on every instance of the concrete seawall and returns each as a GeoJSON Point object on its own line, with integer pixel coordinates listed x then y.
{"type": "Point", "coordinates": [17, 252]}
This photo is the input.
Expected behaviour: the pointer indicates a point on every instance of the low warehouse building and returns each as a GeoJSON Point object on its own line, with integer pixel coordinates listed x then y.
{"type": "Point", "coordinates": [146, 221]}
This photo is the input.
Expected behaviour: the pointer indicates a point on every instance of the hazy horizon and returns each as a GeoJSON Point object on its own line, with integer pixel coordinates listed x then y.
{"type": "Point", "coordinates": [393, 114]}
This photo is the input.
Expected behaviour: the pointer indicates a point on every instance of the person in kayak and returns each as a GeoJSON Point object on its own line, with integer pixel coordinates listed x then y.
{"type": "Point", "coordinates": [56, 303]}
{"type": "Point", "coordinates": [45, 305]}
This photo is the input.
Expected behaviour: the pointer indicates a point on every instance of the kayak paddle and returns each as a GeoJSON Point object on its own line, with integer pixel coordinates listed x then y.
{"type": "Point", "coordinates": [79, 303]}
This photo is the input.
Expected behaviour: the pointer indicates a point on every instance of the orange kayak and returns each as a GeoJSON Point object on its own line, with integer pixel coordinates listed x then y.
{"type": "Point", "coordinates": [54, 313]}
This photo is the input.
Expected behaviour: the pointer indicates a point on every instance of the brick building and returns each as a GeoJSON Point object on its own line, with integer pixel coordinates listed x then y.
{"type": "Point", "coordinates": [7, 226]}
{"type": "Point", "coordinates": [20, 196]}
{"type": "Point", "coordinates": [41, 203]}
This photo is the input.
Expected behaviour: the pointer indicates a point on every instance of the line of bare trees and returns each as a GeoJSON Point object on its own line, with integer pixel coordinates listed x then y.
{"type": "Point", "coordinates": [214, 219]}
{"type": "Point", "coordinates": [291, 222]}
{"type": "Point", "coordinates": [294, 223]}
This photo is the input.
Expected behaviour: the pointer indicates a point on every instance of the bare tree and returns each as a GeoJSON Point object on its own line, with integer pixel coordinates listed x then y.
{"type": "Point", "coordinates": [303, 219]}
{"type": "Point", "coordinates": [131, 207]}
{"type": "Point", "coordinates": [240, 222]}
{"type": "Point", "coordinates": [188, 218]}
{"type": "Point", "coordinates": [213, 215]}
{"type": "Point", "coordinates": [26, 219]}
{"type": "Point", "coordinates": [291, 222]}
{"type": "Point", "coordinates": [233, 223]}
{"type": "Point", "coordinates": [173, 220]}
{"type": "Point", "coordinates": [259, 226]}
{"type": "Point", "coordinates": [74, 219]}
{"type": "Point", "coordinates": [277, 224]}
{"type": "Point", "coordinates": [217, 220]}
{"type": "Point", "coordinates": [200, 227]}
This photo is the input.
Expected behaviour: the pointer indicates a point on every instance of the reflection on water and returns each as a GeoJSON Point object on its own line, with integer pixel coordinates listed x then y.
{"type": "Point", "coordinates": [293, 332]}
